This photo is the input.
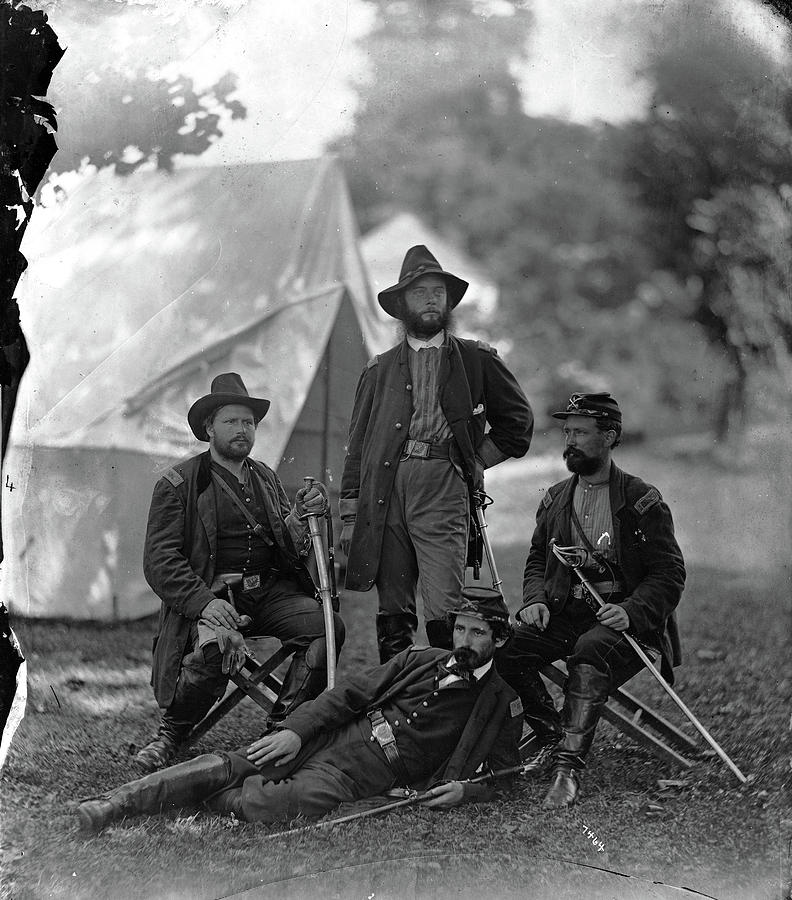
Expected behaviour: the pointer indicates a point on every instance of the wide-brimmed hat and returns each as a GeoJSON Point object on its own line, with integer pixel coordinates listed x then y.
{"type": "Point", "coordinates": [596, 406]}
{"type": "Point", "coordinates": [419, 261]}
{"type": "Point", "coordinates": [481, 603]}
{"type": "Point", "coordinates": [226, 389]}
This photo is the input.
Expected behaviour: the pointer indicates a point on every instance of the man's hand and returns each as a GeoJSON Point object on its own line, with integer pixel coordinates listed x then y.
{"type": "Point", "coordinates": [614, 616]}
{"type": "Point", "coordinates": [345, 541]}
{"type": "Point", "coordinates": [478, 478]}
{"type": "Point", "coordinates": [537, 614]}
{"type": "Point", "coordinates": [278, 748]}
{"type": "Point", "coordinates": [309, 502]}
{"type": "Point", "coordinates": [220, 612]}
{"type": "Point", "coordinates": [444, 796]}
{"type": "Point", "coordinates": [232, 646]}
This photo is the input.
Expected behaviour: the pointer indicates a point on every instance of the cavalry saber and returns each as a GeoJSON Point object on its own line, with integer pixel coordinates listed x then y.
{"type": "Point", "coordinates": [480, 498]}
{"type": "Point", "coordinates": [325, 591]}
{"type": "Point", "coordinates": [574, 557]}
{"type": "Point", "coordinates": [413, 798]}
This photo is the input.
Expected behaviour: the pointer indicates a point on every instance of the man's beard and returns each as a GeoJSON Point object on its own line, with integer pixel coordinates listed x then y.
{"type": "Point", "coordinates": [235, 450]}
{"type": "Point", "coordinates": [579, 463]}
{"type": "Point", "coordinates": [414, 324]}
{"type": "Point", "coordinates": [468, 659]}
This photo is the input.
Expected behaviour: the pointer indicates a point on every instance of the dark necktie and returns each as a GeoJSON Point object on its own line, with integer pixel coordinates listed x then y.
{"type": "Point", "coordinates": [454, 669]}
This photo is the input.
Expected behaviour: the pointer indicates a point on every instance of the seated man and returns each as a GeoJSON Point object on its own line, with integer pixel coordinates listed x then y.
{"type": "Point", "coordinates": [637, 568]}
{"type": "Point", "coordinates": [422, 717]}
{"type": "Point", "coordinates": [223, 512]}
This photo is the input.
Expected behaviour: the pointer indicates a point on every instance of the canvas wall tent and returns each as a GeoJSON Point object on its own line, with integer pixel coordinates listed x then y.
{"type": "Point", "coordinates": [383, 250]}
{"type": "Point", "coordinates": [140, 290]}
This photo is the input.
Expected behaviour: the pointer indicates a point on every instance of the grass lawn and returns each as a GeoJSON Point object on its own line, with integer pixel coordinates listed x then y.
{"type": "Point", "coordinates": [90, 706]}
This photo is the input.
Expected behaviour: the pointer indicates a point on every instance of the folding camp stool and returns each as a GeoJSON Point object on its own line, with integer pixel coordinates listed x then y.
{"type": "Point", "coordinates": [255, 679]}
{"type": "Point", "coordinates": [633, 718]}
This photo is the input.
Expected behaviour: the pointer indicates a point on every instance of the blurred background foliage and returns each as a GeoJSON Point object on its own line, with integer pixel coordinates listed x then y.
{"type": "Point", "coordinates": [651, 258]}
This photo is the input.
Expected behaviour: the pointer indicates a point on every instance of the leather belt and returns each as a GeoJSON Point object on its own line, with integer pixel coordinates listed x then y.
{"type": "Point", "coordinates": [426, 449]}
{"type": "Point", "coordinates": [382, 733]}
{"type": "Point", "coordinates": [601, 587]}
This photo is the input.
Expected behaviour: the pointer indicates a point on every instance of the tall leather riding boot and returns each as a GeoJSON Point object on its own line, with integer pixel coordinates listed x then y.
{"type": "Point", "coordinates": [440, 634]}
{"type": "Point", "coordinates": [196, 693]}
{"type": "Point", "coordinates": [540, 713]}
{"type": "Point", "coordinates": [305, 679]}
{"type": "Point", "coordinates": [586, 693]}
{"type": "Point", "coordinates": [394, 634]}
{"type": "Point", "coordinates": [185, 784]}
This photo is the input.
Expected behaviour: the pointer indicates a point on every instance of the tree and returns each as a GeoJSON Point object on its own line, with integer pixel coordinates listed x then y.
{"type": "Point", "coordinates": [713, 166]}
{"type": "Point", "coordinates": [29, 52]}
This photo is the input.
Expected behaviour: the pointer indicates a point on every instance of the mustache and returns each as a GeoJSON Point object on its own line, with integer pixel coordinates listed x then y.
{"type": "Point", "coordinates": [572, 451]}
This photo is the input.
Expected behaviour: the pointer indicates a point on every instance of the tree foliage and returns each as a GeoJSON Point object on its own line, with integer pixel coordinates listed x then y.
{"type": "Point", "coordinates": [124, 119]}
{"type": "Point", "coordinates": [713, 165]}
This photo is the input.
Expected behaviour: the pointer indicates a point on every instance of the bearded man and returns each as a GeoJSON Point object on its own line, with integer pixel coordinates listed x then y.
{"type": "Point", "coordinates": [418, 447]}
{"type": "Point", "coordinates": [218, 514]}
{"type": "Point", "coordinates": [427, 719]}
{"type": "Point", "coordinates": [636, 566]}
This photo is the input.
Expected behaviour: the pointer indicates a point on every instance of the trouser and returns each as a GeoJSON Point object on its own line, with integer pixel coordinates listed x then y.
{"type": "Point", "coordinates": [424, 542]}
{"type": "Point", "coordinates": [332, 768]}
{"type": "Point", "coordinates": [281, 610]}
{"type": "Point", "coordinates": [574, 635]}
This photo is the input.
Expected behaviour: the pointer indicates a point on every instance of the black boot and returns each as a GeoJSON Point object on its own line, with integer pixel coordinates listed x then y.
{"type": "Point", "coordinates": [394, 634]}
{"type": "Point", "coordinates": [440, 634]}
{"type": "Point", "coordinates": [306, 679]}
{"type": "Point", "coordinates": [540, 713]}
{"type": "Point", "coordinates": [197, 690]}
{"type": "Point", "coordinates": [586, 693]}
{"type": "Point", "coordinates": [185, 784]}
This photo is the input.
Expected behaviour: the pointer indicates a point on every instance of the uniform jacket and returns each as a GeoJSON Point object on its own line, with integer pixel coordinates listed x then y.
{"type": "Point", "coordinates": [475, 388]}
{"type": "Point", "coordinates": [181, 549]}
{"type": "Point", "coordinates": [491, 735]}
{"type": "Point", "coordinates": [651, 563]}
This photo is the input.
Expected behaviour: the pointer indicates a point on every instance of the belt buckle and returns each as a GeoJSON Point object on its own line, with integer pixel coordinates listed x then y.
{"type": "Point", "coordinates": [383, 733]}
{"type": "Point", "coordinates": [420, 449]}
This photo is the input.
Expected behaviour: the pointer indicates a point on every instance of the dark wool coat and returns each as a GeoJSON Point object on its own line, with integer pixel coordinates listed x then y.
{"type": "Point", "coordinates": [181, 549]}
{"type": "Point", "coordinates": [476, 388]}
{"type": "Point", "coordinates": [651, 562]}
{"type": "Point", "coordinates": [490, 736]}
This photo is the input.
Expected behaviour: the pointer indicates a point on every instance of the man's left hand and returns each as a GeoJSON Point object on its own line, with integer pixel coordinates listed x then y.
{"type": "Point", "coordinates": [613, 616]}
{"type": "Point", "coordinates": [232, 646]}
{"type": "Point", "coordinates": [444, 796]}
{"type": "Point", "coordinates": [309, 502]}
{"type": "Point", "coordinates": [277, 748]}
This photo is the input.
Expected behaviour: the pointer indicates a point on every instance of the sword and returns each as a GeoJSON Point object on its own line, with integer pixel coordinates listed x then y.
{"type": "Point", "coordinates": [325, 590]}
{"type": "Point", "coordinates": [482, 501]}
{"type": "Point", "coordinates": [575, 558]}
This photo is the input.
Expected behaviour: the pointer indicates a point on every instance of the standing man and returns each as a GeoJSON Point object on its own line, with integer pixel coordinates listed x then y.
{"type": "Point", "coordinates": [216, 514]}
{"type": "Point", "coordinates": [417, 451]}
{"type": "Point", "coordinates": [424, 718]}
{"type": "Point", "coordinates": [635, 564]}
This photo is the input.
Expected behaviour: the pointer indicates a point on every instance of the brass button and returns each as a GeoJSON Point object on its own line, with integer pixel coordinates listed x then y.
{"type": "Point", "coordinates": [409, 387]}
{"type": "Point", "coordinates": [380, 502]}
{"type": "Point", "coordinates": [386, 464]}
{"type": "Point", "coordinates": [425, 703]}
{"type": "Point", "coordinates": [398, 426]}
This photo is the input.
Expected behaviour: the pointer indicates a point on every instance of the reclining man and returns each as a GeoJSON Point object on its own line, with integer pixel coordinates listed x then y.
{"type": "Point", "coordinates": [640, 576]}
{"type": "Point", "coordinates": [218, 513]}
{"type": "Point", "coordinates": [424, 717]}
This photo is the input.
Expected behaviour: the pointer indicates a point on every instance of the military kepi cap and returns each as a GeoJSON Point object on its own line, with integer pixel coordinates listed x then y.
{"type": "Point", "coordinates": [419, 261]}
{"type": "Point", "coordinates": [482, 603]}
{"type": "Point", "coordinates": [596, 406]}
{"type": "Point", "coordinates": [225, 390]}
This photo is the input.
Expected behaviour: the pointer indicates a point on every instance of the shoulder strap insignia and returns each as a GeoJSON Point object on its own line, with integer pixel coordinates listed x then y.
{"type": "Point", "coordinates": [372, 362]}
{"type": "Point", "coordinates": [648, 500]}
{"type": "Point", "coordinates": [547, 500]}
{"type": "Point", "coordinates": [488, 348]}
{"type": "Point", "coordinates": [173, 476]}
{"type": "Point", "coordinates": [515, 708]}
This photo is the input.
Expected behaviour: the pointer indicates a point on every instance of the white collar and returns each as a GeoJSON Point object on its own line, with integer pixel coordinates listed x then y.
{"type": "Point", "coordinates": [478, 673]}
{"type": "Point", "coordinates": [417, 344]}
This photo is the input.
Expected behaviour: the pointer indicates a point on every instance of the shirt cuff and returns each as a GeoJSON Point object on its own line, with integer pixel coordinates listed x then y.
{"type": "Point", "coordinates": [489, 453]}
